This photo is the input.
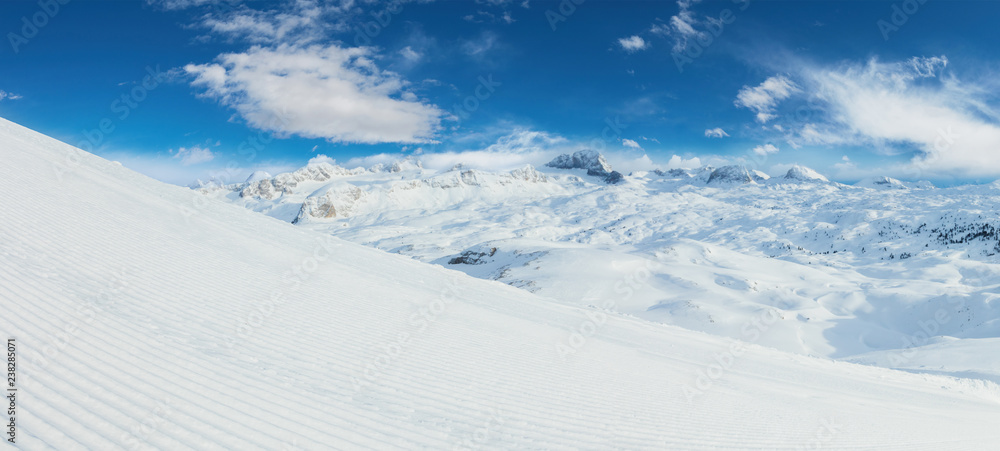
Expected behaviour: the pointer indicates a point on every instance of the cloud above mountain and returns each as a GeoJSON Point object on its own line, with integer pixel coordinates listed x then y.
{"type": "Point", "coordinates": [294, 81]}
{"type": "Point", "coordinates": [764, 97]}
{"type": "Point", "coordinates": [765, 149]}
{"type": "Point", "coordinates": [525, 146]}
{"type": "Point", "coordinates": [318, 92]}
{"type": "Point", "coordinates": [193, 155]}
{"type": "Point", "coordinates": [950, 125]}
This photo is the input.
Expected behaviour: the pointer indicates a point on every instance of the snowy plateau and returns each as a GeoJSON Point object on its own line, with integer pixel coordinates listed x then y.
{"type": "Point", "coordinates": [883, 272]}
{"type": "Point", "coordinates": [557, 307]}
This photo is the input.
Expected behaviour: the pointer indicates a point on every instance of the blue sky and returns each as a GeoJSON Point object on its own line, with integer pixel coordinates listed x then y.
{"type": "Point", "coordinates": [852, 88]}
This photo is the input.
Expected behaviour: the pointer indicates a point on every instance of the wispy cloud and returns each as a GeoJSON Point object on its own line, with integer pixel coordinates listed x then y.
{"type": "Point", "coordinates": [193, 155]}
{"type": "Point", "coordinates": [481, 45]}
{"type": "Point", "coordinates": [486, 16]}
{"type": "Point", "coordinates": [409, 54]}
{"type": "Point", "coordinates": [763, 98]}
{"type": "Point", "coordinates": [765, 149]}
{"type": "Point", "coordinates": [510, 151]}
{"type": "Point", "coordinates": [525, 146]}
{"type": "Point", "coordinates": [915, 106]}
{"type": "Point", "coordinates": [4, 95]}
{"type": "Point", "coordinates": [682, 27]}
{"type": "Point", "coordinates": [293, 21]}
{"type": "Point", "coordinates": [631, 144]}
{"type": "Point", "coordinates": [495, 11]}
{"type": "Point", "coordinates": [715, 133]}
{"type": "Point", "coordinates": [912, 104]}
{"type": "Point", "coordinates": [178, 4]}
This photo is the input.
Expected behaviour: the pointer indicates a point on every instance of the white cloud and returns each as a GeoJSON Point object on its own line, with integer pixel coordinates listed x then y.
{"type": "Point", "coordinates": [495, 11]}
{"type": "Point", "coordinates": [295, 21]}
{"type": "Point", "coordinates": [715, 133]}
{"type": "Point", "coordinates": [950, 126]}
{"type": "Point", "coordinates": [632, 43]}
{"type": "Point", "coordinates": [631, 144]}
{"type": "Point", "coordinates": [479, 46]}
{"type": "Point", "coordinates": [845, 165]}
{"type": "Point", "coordinates": [193, 155]}
{"type": "Point", "coordinates": [410, 54]}
{"type": "Point", "coordinates": [682, 26]}
{"type": "Point", "coordinates": [683, 23]}
{"type": "Point", "coordinates": [318, 92]}
{"type": "Point", "coordinates": [927, 67]}
{"type": "Point", "coordinates": [519, 148]}
{"type": "Point", "coordinates": [763, 98]}
{"type": "Point", "coordinates": [622, 163]}
{"type": "Point", "coordinates": [677, 162]}
{"type": "Point", "coordinates": [765, 149]}
{"type": "Point", "coordinates": [321, 158]}
{"type": "Point", "coordinates": [8, 95]}
{"type": "Point", "coordinates": [909, 103]}
{"type": "Point", "coordinates": [288, 83]}
{"type": "Point", "coordinates": [510, 151]}
{"type": "Point", "coordinates": [521, 140]}
{"type": "Point", "coordinates": [178, 4]}
{"type": "Point", "coordinates": [253, 27]}
{"type": "Point", "coordinates": [514, 150]}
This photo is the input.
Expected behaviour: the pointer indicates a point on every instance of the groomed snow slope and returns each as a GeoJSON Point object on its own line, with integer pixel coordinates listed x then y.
{"type": "Point", "coordinates": [142, 318]}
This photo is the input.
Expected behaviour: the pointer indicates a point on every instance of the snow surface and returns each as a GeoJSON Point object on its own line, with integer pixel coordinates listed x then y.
{"type": "Point", "coordinates": [149, 316]}
{"type": "Point", "coordinates": [851, 270]}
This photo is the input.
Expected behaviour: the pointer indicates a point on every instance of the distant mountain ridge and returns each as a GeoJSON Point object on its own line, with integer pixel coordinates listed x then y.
{"type": "Point", "coordinates": [325, 190]}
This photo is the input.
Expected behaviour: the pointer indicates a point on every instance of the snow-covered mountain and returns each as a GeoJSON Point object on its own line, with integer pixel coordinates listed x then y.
{"type": "Point", "coordinates": [737, 174]}
{"type": "Point", "coordinates": [590, 160]}
{"type": "Point", "coordinates": [147, 316]}
{"type": "Point", "coordinates": [881, 182]}
{"type": "Point", "coordinates": [854, 271]}
{"type": "Point", "coordinates": [803, 174]}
